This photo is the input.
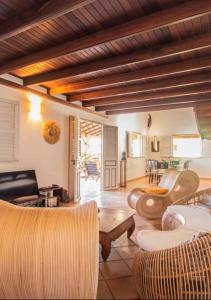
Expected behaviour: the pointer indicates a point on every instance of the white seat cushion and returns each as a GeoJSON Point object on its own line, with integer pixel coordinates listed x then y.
{"type": "Point", "coordinates": [196, 218]}
{"type": "Point", "coordinates": [153, 240]}
{"type": "Point", "coordinates": [193, 220]}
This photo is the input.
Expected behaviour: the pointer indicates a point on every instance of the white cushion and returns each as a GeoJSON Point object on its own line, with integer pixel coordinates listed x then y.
{"type": "Point", "coordinates": [196, 218]}
{"type": "Point", "coordinates": [153, 240]}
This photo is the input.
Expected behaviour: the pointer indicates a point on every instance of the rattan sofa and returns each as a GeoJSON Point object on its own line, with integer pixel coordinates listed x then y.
{"type": "Point", "coordinates": [49, 253]}
{"type": "Point", "coordinates": [152, 206]}
{"type": "Point", "coordinates": [182, 272]}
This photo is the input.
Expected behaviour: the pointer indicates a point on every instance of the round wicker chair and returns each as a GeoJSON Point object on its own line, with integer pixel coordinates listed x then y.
{"type": "Point", "coordinates": [182, 272]}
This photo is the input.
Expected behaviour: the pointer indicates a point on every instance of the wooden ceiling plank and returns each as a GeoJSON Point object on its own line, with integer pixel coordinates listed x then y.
{"type": "Point", "coordinates": [50, 10]}
{"type": "Point", "coordinates": [180, 13]}
{"type": "Point", "coordinates": [171, 49]}
{"type": "Point", "coordinates": [168, 93]}
{"type": "Point", "coordinates": [134, 76]}
{"type": "Point", "coordinates": [174, 100]}
{"type": "Point", "coordinates": [157, 108]}
{"type": "Point", "coordinates": [146, 86]}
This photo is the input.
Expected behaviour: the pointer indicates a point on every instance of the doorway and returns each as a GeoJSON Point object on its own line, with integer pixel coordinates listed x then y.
{"type": "Point", "coordinates": [93, 159]}
{"type": "Point", "coordinates": [90, 159]}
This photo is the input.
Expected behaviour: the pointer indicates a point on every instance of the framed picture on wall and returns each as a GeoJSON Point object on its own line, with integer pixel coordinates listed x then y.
{"type": "Point", "coordinates": [134, 144]}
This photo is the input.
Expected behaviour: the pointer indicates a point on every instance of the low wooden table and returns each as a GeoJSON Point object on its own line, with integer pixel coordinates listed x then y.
{"type": "Point", "coordinates": [113, 223]}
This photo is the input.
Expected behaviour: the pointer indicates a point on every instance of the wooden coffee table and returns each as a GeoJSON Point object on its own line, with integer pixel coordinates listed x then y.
{"type": "Point", "coordinates": [113, 223]}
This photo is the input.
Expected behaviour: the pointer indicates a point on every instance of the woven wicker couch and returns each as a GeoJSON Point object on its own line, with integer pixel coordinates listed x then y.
{"type": "Point", "coordinates": [152, 206]}
{"type": "Point", "coordinates": [182, 272]}
{"type": "Point", "coordinates": [48, 253]}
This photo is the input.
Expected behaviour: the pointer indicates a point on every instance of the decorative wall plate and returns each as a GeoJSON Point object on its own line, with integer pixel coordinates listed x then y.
{"type": "Point", "coordinates": [51, 132]}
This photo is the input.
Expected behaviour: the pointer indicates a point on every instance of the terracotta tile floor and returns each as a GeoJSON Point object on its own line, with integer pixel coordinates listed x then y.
{"type": "Point", "coordinates": [115, 276]}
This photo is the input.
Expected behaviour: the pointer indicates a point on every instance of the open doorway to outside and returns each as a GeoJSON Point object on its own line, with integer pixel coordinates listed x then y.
{"type": "Point", "coordinates": [90, 159]}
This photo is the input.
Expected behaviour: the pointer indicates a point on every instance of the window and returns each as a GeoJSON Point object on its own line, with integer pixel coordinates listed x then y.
{"type": "Point", "coordinates": [187, 145]}
{"type": "Point", "coordinates": [8, 130]}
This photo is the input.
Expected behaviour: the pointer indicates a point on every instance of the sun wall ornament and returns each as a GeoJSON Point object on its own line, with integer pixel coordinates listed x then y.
{"type": "Point", "coordinates": [51, 132]}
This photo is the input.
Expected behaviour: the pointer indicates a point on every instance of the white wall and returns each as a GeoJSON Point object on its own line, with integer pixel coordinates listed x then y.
{"type": "Point", "coordinates": [131, 122]}
{"type": "Point", "coordinates": [51, 161]}
{"type": "Point", "coordinates": [179, 121]}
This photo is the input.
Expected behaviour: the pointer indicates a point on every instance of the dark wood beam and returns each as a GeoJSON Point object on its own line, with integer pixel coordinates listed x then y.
{"type": "Point", "coordinates": [171, 49]}
{"type": "Point", "coordinates": [180, 13]}
{"type": "Point", "coordinates": [146, 86]}
{"type": "Point", "coordinates": [156, 108]}
{"type": "Point", "coordinates": [168, 93]}
{"type": "Point", "coordinates": [50, 10]}
{"type": "Point", "coordinates": [156, 102]}
{"type": "Point", "coordinates": [134, 76]}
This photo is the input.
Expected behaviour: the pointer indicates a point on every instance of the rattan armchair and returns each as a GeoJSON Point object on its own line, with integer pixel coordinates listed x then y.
{"type": "Point", "coordinates": [48, 253]}
{"type": "Point", "coordinates": [183, 272]}
{"type": "Point", "coordinates": [179, 184]}
{"type": "Point", "coordinates": [197, 198]}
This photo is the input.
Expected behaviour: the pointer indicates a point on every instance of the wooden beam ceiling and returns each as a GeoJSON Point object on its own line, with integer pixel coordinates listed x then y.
{"type": "Point", "coordinates": [158, 20]}
{"type": "Point", "coordinates": [146, 86]}
{"type": "Point", "coordinates": [157, 108]}
{"type": "Point", "coordinates": [42, 95]}
{"type": "Point", "coordinates": [171, 49]}
{"type": "Point", "coordinates": [28, 19]}
{"type": "Point", "coordinates": [174, 100]}
{"type": "Point", "coordinates": [133, 76]}
{"type": "Point", "coordinates": [167, 93]}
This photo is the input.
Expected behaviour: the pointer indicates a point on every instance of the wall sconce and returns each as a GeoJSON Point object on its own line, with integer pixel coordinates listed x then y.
{"type": "Point", "coordinates": [35, 107]}
{"type": "Point", "coordinates": [155, 145]}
